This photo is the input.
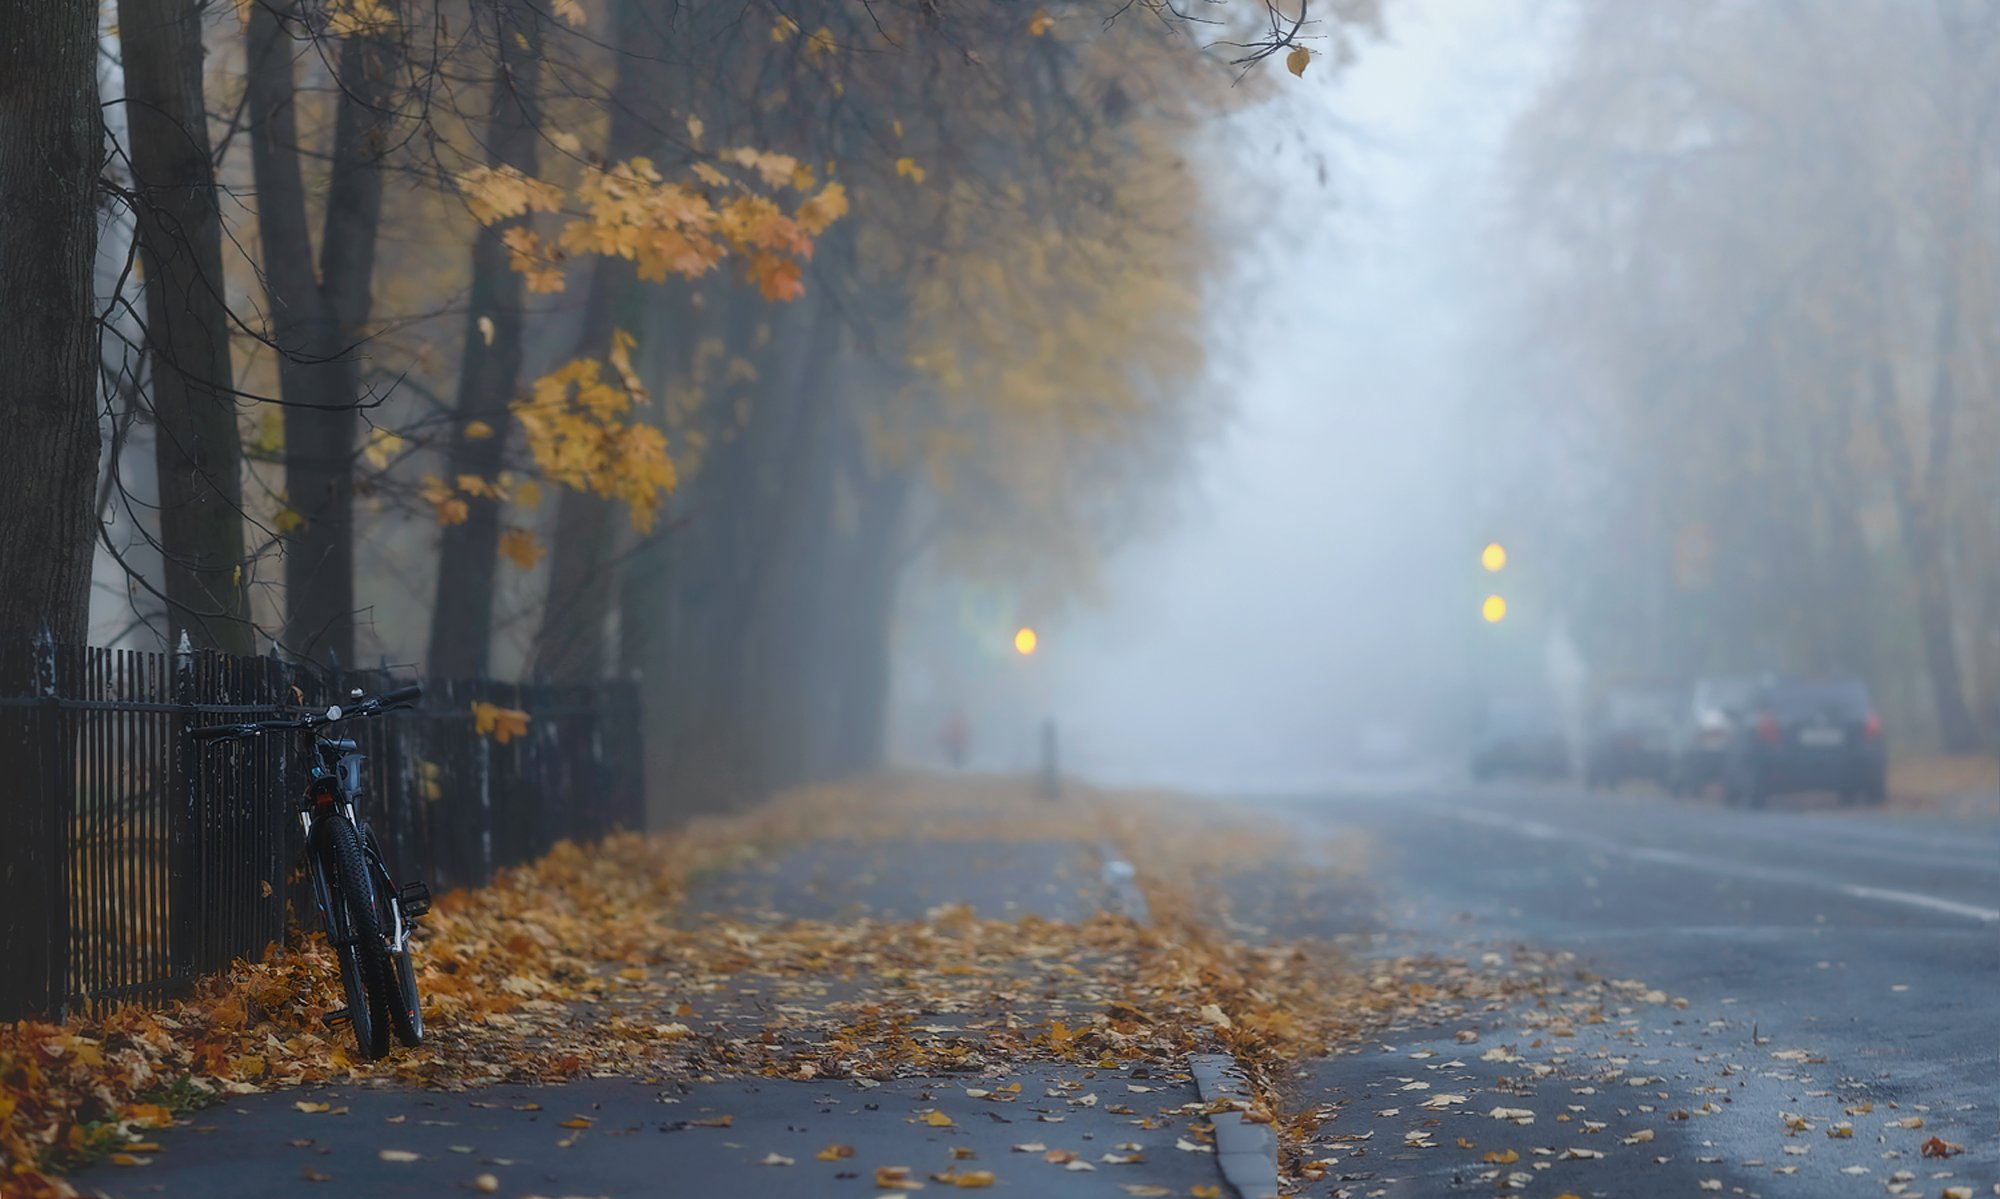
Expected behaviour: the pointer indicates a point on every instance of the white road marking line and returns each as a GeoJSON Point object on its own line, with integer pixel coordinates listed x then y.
{"type": "Point", "coordinates": [1912, 898]}
{"type": "Point", "coordinates": [1674, 857]}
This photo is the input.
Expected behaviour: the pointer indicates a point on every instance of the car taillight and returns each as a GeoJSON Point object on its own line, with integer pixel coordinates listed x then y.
{"type": "Point", "coordinates": [1767, 728]}
{"type": "Point", "coordinates": [1872, 726]}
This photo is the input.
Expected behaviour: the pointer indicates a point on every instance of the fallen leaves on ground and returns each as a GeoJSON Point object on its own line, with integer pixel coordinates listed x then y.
{"type": "Point", "coordinates": [584, 962]}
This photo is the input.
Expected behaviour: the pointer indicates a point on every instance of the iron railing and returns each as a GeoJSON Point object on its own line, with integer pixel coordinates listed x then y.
{"type": "Point", "coordinates": [134, 860]}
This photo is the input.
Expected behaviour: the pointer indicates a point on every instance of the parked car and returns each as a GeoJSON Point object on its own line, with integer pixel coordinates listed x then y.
{"type": "Point", "coordinates": [1708, 721]}
{"type": "Point", "coordinates": [1520, 738]}
{"type": "Point", "coordinates": [1631, 735]}
{"type": "Point", "coordinates": [1807, 735]}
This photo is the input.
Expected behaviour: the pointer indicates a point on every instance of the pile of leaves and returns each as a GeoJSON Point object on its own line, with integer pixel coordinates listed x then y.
{"type": "Point", "coordinates": [587, 961]}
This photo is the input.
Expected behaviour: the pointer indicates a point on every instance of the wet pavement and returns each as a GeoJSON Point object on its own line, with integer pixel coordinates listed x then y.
{"type": "Point", "coordinates": [1825, 990]}
{"type": "Point", "coordinates": [777, 1138]}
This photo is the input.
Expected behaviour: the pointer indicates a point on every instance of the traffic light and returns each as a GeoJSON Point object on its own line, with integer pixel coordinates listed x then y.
{"type": "Point", "coordinates": [1494, 559]}
{"type": "Point", "coordinates": [1025, 641]}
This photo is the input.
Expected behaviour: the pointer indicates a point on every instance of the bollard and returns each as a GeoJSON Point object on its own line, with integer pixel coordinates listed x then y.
{"type": "Point", "coordinates": [1051, 779]}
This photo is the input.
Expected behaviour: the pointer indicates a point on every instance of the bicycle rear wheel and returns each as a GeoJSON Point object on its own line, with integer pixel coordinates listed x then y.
{"type": "Point", "coordinates": [366, 961]}
{"type": "Point", "coordinates": [406, 1013]}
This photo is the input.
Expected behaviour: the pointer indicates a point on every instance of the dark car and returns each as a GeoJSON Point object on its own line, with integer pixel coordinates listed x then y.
{"type": "Point", "coordinates": [1807, 735]}
{"type": "Point", "coordinates": [1708, 722]}
{"type": "Point", "coordinates": [1631, 736]}
{"type": "Point", "coordinates": [1522, 739]}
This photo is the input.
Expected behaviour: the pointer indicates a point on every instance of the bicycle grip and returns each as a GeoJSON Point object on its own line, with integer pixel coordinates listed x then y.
{"type": "Point", "coordinates": [412, 692]}
{"type": "Point", "coordinates": [213, 731]}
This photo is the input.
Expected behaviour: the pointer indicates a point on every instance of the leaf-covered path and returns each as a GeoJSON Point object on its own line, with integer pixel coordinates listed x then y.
{"type": "Point", "coordinates": [921, 969]}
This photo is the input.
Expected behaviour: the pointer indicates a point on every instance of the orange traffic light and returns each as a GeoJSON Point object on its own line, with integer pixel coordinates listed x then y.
{"type": "Point", "coordinates": [1025, 641]}
{"type": "Point", "coordinates": [1494, 609]}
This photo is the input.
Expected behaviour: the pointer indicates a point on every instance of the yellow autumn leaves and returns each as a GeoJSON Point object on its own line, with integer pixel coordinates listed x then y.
{"type": "Point", "coordinates": [630, 210]}
{"type": "Point", "coordinates": [581, 421]}
{"type": "Point", "coordinates": [582, 432]}
{"type": "Point", "coordinates": [577, 426]}
{"type": "Point", "coordinates": [501, 724]}
{"type": "Point", "coordinates": [450, 503]}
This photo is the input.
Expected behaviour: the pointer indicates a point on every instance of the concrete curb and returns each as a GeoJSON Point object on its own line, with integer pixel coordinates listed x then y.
{"type": "Point", "coordinates": [1122, 894]}
{"type": "Point", "coordinates": [1246, 1152]}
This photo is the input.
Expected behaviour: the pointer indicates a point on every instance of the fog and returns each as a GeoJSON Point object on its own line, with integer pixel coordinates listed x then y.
{"type": "Point", "coordinates": [1314, 580]}
{"type": "Point", "coordinates": [1220, 383]}
{"type": "Point", "coordinates": [1688, 313]}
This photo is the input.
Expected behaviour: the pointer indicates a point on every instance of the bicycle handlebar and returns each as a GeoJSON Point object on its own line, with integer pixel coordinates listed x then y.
{"type": "Point", "coordinates": [362, 707]}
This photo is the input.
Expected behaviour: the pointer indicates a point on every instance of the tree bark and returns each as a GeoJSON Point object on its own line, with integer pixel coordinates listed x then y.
{"type": "Point", "coordinates": [697, 683]}
{"type": "Point", "coordinates": [317, 320]}
{"type": "Point", "coordinates": [838, 683]}
{"type": "Point", "coordinates": [860, 701]}
{"type": "Point", "coordinates": [196, 446]}
{"type": "Point", "coordinates": [570, 643]}
{"type": "Point", "coordinates": [51, 146]}
{"type": "Point", "coordinates": [1923, 542]}
{"type": "Point", "coordinates": [462, 618]}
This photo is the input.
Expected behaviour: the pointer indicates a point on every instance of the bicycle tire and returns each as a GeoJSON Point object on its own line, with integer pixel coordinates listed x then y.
{"type": "Point", "coordinates": [406, 1013]}
{"type": "Point", "coordinates": [360, 1016]}
{"type": "Point", "coordinates": [355, 890]}
{"type": "Point", "coordinates": [406, 1016]}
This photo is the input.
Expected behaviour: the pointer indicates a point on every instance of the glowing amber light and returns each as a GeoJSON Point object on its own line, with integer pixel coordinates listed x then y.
{"type": "Point", "coordinates": [1025, 641]}
{"type": "Point", "coordinates": [1494, 556]}
{"type": "Point", "coordinates": [1494, 609]}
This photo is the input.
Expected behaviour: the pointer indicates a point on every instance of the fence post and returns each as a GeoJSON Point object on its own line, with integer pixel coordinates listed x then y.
{"type": "Point", "coordinates": [182, 777]}
{"type": "Point", "coordinates": [276, 787]}
{"type": "Point", "coordinates": [58, 809]}
{"type": "Point", "coordinates": [34, 899]}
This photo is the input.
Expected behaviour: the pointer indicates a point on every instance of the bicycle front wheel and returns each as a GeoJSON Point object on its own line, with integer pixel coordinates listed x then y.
{"type": "Point", "coordinates": [366, 960]}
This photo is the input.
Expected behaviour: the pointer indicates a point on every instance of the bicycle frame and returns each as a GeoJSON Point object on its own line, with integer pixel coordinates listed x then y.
{"type": "Point", "coordinates": [333, 786]}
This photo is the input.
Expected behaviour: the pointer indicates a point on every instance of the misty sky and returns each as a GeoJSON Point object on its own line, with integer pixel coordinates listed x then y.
{"type": "Point", "coordinates": [1312, 584]}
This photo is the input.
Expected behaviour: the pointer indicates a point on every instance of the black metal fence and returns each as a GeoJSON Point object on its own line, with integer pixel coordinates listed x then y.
{"type": "Point", "coordinates": [133, 859]}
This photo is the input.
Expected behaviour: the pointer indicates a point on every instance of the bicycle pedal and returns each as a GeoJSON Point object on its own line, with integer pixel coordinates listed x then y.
{"type": "Point", "coordinates": [415, 898]}
{"type": "Point", "coordinates": [335, 1018]}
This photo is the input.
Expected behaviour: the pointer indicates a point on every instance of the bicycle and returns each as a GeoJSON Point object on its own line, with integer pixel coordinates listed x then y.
{"type": "Point", "coordinates": [367, 917]}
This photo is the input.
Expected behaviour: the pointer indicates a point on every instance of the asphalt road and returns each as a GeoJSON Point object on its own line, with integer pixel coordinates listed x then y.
{"type": "Point", "coordinates": [769, 1138]}
{"type": "Point", "coordinates": [1838, 967]}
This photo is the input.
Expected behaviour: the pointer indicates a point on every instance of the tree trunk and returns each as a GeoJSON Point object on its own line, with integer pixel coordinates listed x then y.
{"type": "Point", "coordinates": [462, 617]}
{"type": "Point", "coordinates": [1923, 543]}
{"type": "Point", "coordinates": [862, 706]}
{"type": "Point", "coordinates": [317, 321]}
{"type": "Point", "coordinates": [803, 588]}
{"type": "Point", "coordinates": [196, 446]}
{"type": "Point", "coordinates": [51, 145]}
{"type": "Point", "coordinates": [842, 680]}
{"type": "Point", "coordinates": [569, 644]}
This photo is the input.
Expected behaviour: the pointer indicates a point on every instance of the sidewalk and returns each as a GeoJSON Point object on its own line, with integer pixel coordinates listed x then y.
{"type": "Point", "coordinates": [849, 1013]}
{"type": "Point", "coordinates": [899, 983]}
{"type": "Point", "coordinates": [1967, 785]}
